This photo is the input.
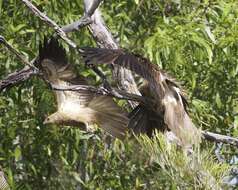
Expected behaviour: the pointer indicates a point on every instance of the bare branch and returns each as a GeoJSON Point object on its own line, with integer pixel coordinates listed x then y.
{"type": "Point", "coordinates": [15, 52]}
{"type": "Point", "coordinates": [50, 22]}
{"type": "Point", "coordinates": [214, 137]}
{"type": "Point", "coordinates": [25, 73]}
{"type": "Point", "coordinates": [21, 75]}
{"type": "Point", "coordinates": [120, 94]}
{"type": "Point", "coordinates": [84, 21]}
{"type": "Point", "coordinates": [91, 9]}
{"type": "Point", "coordinates": [104, 39]}
{"type": "Point", "coordinates": [62, 34]}
{"type": "Point", "coordinates": [17, 77]}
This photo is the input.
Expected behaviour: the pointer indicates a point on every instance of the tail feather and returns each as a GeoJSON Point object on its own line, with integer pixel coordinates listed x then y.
{"type": "Point", "coordinates": [145, 121]}
{"type": "Point", "coordinates": [109, 116]}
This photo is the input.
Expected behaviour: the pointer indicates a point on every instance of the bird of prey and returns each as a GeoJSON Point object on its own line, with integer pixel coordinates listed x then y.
{"type": "Point", "coordinates": [169, 112]}
{"type": "Point", "coordinates": [77, 108]}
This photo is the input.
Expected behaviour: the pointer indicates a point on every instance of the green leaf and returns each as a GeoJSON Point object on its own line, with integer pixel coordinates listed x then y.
{"type": "Point", "coordinates": [17, 153]}
{"type": "Point", "coordinates": [218, 100]}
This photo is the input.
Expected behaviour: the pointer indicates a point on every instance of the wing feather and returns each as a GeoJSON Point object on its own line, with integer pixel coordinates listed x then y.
{"type": "Point", "coordinates": [165, 88]}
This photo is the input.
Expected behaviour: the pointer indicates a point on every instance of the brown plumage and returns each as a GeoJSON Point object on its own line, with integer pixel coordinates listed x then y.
{"type": "Point", "coordinates": [77, 108]}
{"type": "Point", "coordinates": [170, 110]}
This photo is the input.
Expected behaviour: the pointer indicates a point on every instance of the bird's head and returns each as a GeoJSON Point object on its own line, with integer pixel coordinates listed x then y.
{"type": "Point", "coordinates": [48, 120]}
{"type": "Point", "coordinates": [55, 118]}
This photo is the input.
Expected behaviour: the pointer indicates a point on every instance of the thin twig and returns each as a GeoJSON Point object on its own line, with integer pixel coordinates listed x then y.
{"type": "Point", "coordinates": [50, 22]}
{"type": "Point", "coordinates": [15, 52]}
{"type": "Point", "coordinates": [120, 94]}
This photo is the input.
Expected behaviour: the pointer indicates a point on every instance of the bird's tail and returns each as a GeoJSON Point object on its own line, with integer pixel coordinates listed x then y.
{"type": "Point", "coordinates": [109, 116]}
{"type": "Point", "coordinates": [145, 121]}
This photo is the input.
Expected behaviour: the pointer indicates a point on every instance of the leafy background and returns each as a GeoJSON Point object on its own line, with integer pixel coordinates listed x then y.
{"type": "Point", "coordinates": [195, 41]}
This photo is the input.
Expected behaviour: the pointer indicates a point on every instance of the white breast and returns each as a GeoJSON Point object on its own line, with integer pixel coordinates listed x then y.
{"type": "Point", "coordinates": [73, 110]}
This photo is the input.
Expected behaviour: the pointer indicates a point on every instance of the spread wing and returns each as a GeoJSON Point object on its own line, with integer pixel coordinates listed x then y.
{"type": "Point", "coordinates": [133, 62]}
{"type": "Point", "coordinates": [57, 70]}
{"type": "Point", "coordinates": [83, 106]}
{"type": "Point", "coordinates": [167, 92]}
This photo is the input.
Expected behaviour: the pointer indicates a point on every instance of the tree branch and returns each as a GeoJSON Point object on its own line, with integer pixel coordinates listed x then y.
{"type": "Point", "coordinates": [28, 71]}
{"type": "Point", "coordinates": [104, 38]}
{"type": "Point", "coordinates": [21, 75]}
{"type": "Point", "coordinates": [63, 35]}
{"type": "Point", "coordinates": [17, 77]}
{"type": "Point", "coordinates": [120, 94]}
{"type": "Point", "coordinates": [50, 22]}
{"type": "Point", "coordinates": [214, 137]}
{"type": "Point", "coordinates": [85, 20]}
{"type": "Point", "coordinates": [15, 52]}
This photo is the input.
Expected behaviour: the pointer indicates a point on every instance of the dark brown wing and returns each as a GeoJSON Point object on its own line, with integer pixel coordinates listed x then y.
{"type": "Point", "coordinates": [167, 93]}
{"type": "Point", "coordinates": [145, 121]}
{"type": "Point", "coordinates": [158, 79]}
{"type": "Point", "coordinates": [51, 49]}
{"type": "Point", "coordinates": [133, 62]}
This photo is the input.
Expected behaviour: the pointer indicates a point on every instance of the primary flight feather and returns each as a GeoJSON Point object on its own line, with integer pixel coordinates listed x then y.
{"type": "Point", "coordinates": [170, 109]}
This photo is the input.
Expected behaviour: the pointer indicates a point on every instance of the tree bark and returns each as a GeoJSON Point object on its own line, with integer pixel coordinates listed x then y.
{"type": "Point", "coordinates": [104, 39]}
{"type": "Point", "coordinates": [16, 77]}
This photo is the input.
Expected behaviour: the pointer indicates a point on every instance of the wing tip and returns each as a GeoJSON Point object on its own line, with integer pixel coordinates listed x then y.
{"type": "Point", "coordinates": [51, 49]}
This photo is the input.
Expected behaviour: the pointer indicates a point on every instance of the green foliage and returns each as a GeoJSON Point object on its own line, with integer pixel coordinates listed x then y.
{"type": "Point", "coordinates": [197, 42]}
{"type": "Point", "coordinates": [198, 171]}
